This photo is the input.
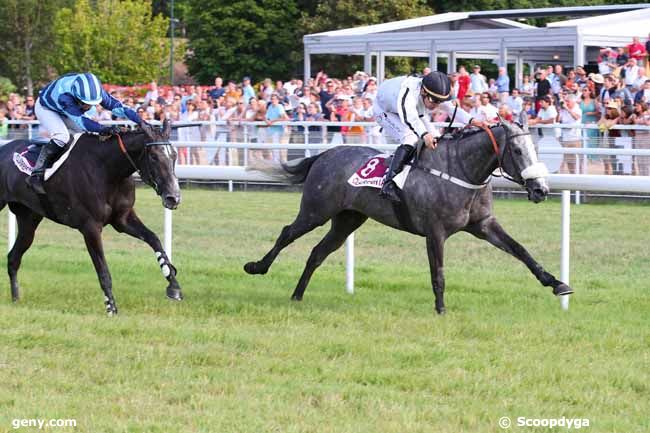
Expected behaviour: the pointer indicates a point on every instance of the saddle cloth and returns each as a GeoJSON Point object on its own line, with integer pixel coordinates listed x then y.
{"type": "Point", "coordinates": [25, 157]}
{"type": "Point", "coordinates": [373, 172]}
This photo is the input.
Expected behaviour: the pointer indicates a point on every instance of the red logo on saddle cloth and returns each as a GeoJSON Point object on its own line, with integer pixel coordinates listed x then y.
{"type": "Point", "coordinates": [371, 173]}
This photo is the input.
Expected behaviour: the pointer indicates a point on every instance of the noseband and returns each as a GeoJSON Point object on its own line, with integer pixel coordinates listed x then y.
{"type": "Point", "coordinates": [148, 179]}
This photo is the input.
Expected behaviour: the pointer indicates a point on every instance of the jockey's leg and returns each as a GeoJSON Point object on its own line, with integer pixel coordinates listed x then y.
{"type": "Point", "coordinates": [57, 130]}
{"type": "Point", "coordinates": [49, 153]}
{"type": "Point", "coordinates": [402, 155]}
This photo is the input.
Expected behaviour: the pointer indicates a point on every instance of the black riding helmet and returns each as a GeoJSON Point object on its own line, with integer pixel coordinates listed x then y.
{"type": "Point", "coordinates": [436, 86]}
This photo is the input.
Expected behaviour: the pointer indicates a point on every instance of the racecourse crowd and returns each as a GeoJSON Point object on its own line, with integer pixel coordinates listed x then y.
{"type": "Point", "coordinates": [619, 93]}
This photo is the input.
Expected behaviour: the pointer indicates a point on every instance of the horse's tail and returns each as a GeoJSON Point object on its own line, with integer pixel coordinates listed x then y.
{"type": "Point", "coordinates": [294, 171]}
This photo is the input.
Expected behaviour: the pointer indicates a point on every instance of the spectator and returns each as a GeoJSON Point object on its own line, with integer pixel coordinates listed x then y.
{"type": "Point", "coordinates": [640, 81]}
{"type": "Point", "coordinates": [326, 96]}
{"type": "Point", "coordinates": [453, 82]}
{"type": "Point", "coordinates": [505, 113]}
{"type": "Point", "coordinates": [558, 81]}
{"type": "Point", "coordinates": [217, 91]}
{"type": "Point", "coordinates": [492, 90]}
{"type": "Point", "coordinates": [485, 111]}
{"type": "Point", "coordinates": [546, 115]}
{"type": "Point", "coordinates": [266, 90]}
{"type": "Point", "coordinates": [642, 138]}
{"type": "Point", "coordinates": [643, 95]}
{"type": "Point", "coordinates": [621, 60]}
{"type": "Point", "coordinates": [570, 114]}
{"type": "Point", "coordinates": [4, 130]}
{"type": "Point", "coordinates": [590, 115]}
{"type": "Point", "coordinates": [636, 50]}
{"type": "Point", "coordinates": [606, 61]}
{"type": "Point", "coordinates": [478, 82]}
{"type": "Point", "coordinates": [606, 122]}
{"type": "Point", "coordinates": [570, 86]}
{"type": "Point", "coordinates": [275, 113]}
{"type": "Point", "coordinates": [247, 90]}
{"type": "Point", "coordinates": [503, 85]}
{"type": "Point", "coordinates": [647, 56]}
{"type": "Point", "coordinates": [515, 103]}
{"type": "Point", "coordinates": [370, 91]}
{"type": "Point", "coordinates": [232, 91]}
{"type": "Point", "coordinates": [152, 93]}
{"type": "Point", "coordinates": [463, 82]}
{"type": "Point", "coordinates": [542, 88]}
{"type": "Point", "coordinates": [529, 108]}
{"type": "Point", "coordinates": [314, 115]}
{"type": "Point", "coordinates": [527, 87]}
{"type": "Point", "coordinates": [28, 111]}
{"type": "Point", "coordinates": [630, 73]}
{"type": "Point", "coordinates": [581, 77]}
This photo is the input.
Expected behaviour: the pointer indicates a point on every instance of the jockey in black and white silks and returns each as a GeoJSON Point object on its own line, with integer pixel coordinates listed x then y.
{"type": "Point", "coordinates": [63, 105]}
{"type": "Point", "coordinates": [403, 109]}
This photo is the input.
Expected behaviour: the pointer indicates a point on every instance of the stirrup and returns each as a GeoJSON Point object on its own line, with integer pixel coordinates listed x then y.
{"type": "Point", "coordinates": [36, 182]}
{"type": "Point", "coordinates": [389, 192]}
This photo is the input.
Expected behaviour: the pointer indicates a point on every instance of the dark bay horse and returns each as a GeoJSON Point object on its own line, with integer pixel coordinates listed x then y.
{"type": "Point", "coordinates": [445, 193]}
{"type": "Point", "coordinates": [91, 189]}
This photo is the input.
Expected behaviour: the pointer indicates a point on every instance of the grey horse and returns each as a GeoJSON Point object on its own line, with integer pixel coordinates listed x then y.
{"type": "Point", "coordinates": [446, 191]}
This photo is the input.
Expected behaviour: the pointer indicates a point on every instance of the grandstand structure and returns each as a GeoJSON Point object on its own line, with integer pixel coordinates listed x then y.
{"type": "Point", "coordinates": [494, 35]}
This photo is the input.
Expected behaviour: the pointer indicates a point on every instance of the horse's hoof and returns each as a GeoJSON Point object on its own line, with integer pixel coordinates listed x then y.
{"type": "Point", "coordinates": [441, 311]}
{"type": "Point", "coordinates": [175, 294]}
{"type": "Point", "coordinates": [252, 268]}
{"type": "Point", "coordinates": [296, 298]}
{"type": "Point", "coordinates": [562, 289]}
{"type": "Point", "coordinates": [16, 299]}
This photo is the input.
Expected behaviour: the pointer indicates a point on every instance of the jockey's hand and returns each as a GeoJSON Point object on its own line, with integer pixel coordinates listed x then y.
{"type": "Point", "coordinates": [429, 140]}
{"type": "Point", "coordinates": [480, 123]}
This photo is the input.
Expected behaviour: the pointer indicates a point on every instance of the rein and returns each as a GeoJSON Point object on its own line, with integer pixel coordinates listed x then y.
{"type": "Point", "coordinates": [146, 179]}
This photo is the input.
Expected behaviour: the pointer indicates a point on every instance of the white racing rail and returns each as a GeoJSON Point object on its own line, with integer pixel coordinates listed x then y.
{"type": "Point", "coordinates": [558, 182]}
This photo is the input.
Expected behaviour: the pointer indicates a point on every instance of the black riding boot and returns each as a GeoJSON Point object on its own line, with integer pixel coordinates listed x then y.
{"type": "Point", "coordinates": [49, 152]}
{"type": "Point", "coordinates": [402, 155]}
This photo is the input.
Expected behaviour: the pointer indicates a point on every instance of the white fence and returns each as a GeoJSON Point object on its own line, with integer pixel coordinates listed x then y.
{"type": "Point", "coordinates": [238, 173]}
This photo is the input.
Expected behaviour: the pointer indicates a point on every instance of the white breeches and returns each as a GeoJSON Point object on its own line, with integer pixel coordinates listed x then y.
{"type": "Point", "coordinates": [55, 126]}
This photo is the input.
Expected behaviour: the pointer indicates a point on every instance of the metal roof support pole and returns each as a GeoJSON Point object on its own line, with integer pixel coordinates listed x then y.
{"type": "Point", "coordinates": [451, 62]}
{"type": "Point", "coordinates": [433, 56]}
{"type": "Point", "coordinates": [367, 61]}
{"type": "Point", "coordinates": [381, 67]}
{"type": "Point", "coordinates": [579, 51]}
{"type": "Point", "coordinates": [307, 65]}
{"type": "Point", "coordinates": [503, 54]}
{"type": "Point", "coordinates": [519, 71]}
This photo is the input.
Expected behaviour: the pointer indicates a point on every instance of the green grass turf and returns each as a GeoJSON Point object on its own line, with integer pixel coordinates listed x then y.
{"type": "Point", "coordinates": [238, 356]}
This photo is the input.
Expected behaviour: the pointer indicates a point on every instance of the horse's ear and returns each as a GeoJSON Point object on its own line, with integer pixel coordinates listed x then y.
{"type": "Point", "coordinates": [166, 128]}
{"type": "Point", "coordinates": [147, 129]}
{"type": "Point", "coordinates": [523, 119]}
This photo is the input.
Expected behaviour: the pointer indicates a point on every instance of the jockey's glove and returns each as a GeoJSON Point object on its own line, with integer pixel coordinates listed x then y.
{"type": "Point", "coordinates": [111, 130]}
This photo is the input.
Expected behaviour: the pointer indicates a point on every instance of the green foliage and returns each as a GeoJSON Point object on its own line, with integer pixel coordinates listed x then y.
{"type": "Point", "coordinates": [121, 42]}
{"type": "Point", "coordinates": [335, 14]}
{"type": "Point", "coordinates": [242, 37]}
{"type": "Point", "coordinates": [6, 87]}
{"type": "Point", "coordinates": [26, 39]}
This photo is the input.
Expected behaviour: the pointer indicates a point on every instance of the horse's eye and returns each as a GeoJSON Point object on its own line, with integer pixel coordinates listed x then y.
{"type": "Point", "coordinates": [518, 152]}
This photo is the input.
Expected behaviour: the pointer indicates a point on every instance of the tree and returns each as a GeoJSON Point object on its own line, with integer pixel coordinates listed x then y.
{"type": "Point", "coordinates": [120, 41]}
{"type": "Point", "coordinates": [340, 14]}
{"type": "Point", "coordinates": [25, 39]}
{"type": "Point", "coordinates": [234, 38]}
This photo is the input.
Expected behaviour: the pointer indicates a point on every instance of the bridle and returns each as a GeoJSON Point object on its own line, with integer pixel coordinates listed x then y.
{"type": "Point", "coordinates": [500, 156]}
{"type": "Point", "coordinates": [148, 179]}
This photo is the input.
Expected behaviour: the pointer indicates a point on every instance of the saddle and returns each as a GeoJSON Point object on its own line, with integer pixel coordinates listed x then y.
{"type": "Point", "coordinates": [373, 172]}
{"type": "Point", "coordinates": [25, 156]}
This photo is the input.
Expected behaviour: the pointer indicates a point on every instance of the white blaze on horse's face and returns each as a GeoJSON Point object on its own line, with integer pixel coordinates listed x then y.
{"type": "Point", "coordinates": [535, 169]}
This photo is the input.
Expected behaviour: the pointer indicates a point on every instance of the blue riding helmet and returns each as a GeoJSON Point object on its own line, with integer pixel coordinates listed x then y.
{"type": "Point", "coordinates": [87, 89]}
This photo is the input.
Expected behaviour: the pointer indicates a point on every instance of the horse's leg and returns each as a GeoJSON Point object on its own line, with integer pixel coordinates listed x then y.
{"type": "Point", "coordinates": [93, 237]}
{"type": "Point", "coordinates": [343, 225]}
{"type": "Point", "coordinates": [27, 221]}
{"type": "Point", "coordinates": [130, 224]}
{"type": "Point", "coordinates": [490, 230]}
{"type": "Point", "coordinates": [304, 223]}
{"type": "Point", "coordinates": [435, 251]}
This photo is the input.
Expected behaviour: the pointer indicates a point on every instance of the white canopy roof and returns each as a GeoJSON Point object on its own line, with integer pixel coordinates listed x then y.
{"type": "Point", "coordinates": [486, 35]}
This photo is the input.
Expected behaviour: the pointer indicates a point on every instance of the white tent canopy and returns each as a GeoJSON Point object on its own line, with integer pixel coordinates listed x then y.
{"type": "Point", "coordinates": [486, 35]}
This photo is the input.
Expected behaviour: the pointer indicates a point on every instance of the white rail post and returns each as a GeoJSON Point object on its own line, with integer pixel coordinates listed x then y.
{"type": "Point", "coordinates": [11, 230]}
{"type": "Point", "coordinates": [349, 264]}
{"type": "Point", "coordinates": [566, 236]}
{"type": "Point", "coordinates": [168, 233]}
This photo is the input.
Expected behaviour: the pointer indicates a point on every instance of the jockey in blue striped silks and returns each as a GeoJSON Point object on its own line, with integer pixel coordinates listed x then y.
{"type": "Point", "coordinates": [63, 105]}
